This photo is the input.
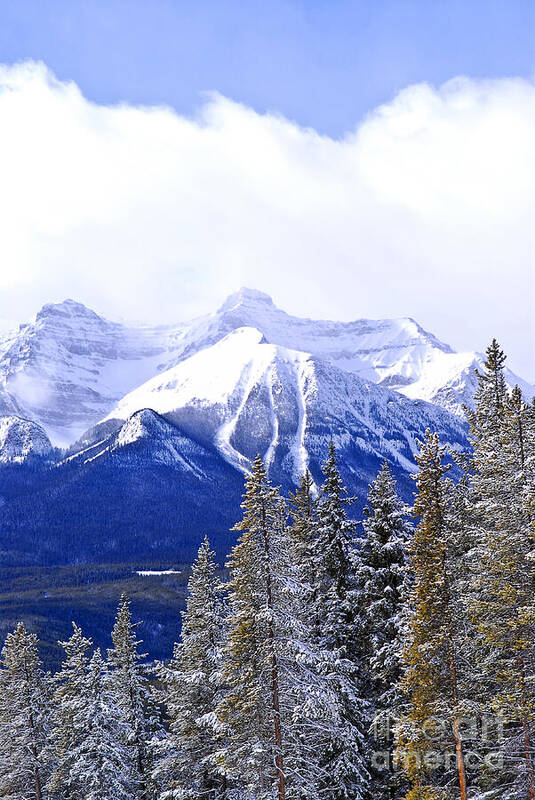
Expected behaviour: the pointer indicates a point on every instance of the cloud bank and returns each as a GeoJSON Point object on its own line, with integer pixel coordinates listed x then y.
{"type": "Point", "coordinates": [426, 209]}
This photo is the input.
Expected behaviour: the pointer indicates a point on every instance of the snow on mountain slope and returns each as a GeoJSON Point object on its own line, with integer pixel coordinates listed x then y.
{"type": "Point", "coordinates": [395, 353]}
{"type": "Point", "coordinates": [69, 367]}
{"type": "Point", "coordinates": [152, 439]}
{"type": "Point", "coordinates": [244, 395]}
{"type": "Point", "coordinates": [22, 440]}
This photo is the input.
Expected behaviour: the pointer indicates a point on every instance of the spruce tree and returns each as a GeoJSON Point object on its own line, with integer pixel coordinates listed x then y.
{"type": "Point", "coordinates": [66, 734]}
{"type": "Point", "coordinates": [254, 709]}
{"type": "Point", "coordinates": [503, 606]}
{"type": "Point", "coordinates": [23, 718]}
{"type": "Point", "coordinates": [383, 586]}
{"type": "Point", "coordinates": [131, 688]}
{"type": "Point", "coordinates": [101, 765]}
{"type": "Point", "coordinates": [342, 752]}
{"type": "Point", "coordinates": [303, 528]}
{"type": "Point", "coordinates": [191, 689]}
{"type": "Point", "coordinates": [433, 680]}
{"type": "Point", "coordinates": [316, 707]}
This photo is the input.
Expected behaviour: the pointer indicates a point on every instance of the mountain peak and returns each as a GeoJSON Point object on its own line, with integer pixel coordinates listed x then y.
{"type": "Point", "coordinates": [141, 424]}
{"type": "Point", "coordinates": [67, 309]}
{"type": "Point", "coordinates": [246, 297]}
{"type": "Point", "coordinates": [21, 440]}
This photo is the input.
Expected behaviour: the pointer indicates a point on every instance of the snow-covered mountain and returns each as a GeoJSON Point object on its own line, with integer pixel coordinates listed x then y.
{"type": "Point", "coordinates": [22, 440]}
{"type": "Point", "coordinates": [146, 437]}
{"type": "Point", "coordinates": [244, 395]}
{"type": "Point", "coordinates": [166, 466]}
{"type": "Point", "coordinates": [69, 367]}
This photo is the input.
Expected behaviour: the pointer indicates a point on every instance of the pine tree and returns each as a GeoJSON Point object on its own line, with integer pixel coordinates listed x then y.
{"type": "Point", "coordinates": [23, 718]}
{"type": "Point", "coordinates": [342, 752]}
{"type": "Point", "coordinates": [383, 586]}
{"type": "Point", "coordinates": [131, 689]}
{"type": "Point", "coordinates": [65, 734]}
{"type": "Point", "coordinates": [253, 711]}
{"type": "Point", "coordinates": [101, 765]}
{"type": "Point", "coordinates": [302, 530]}
{"type": "Point", "coordinates": [192, 688]}
{"type": "Point", "coordinates": [432, 654]}
{"type": "Point", "coordinates": [316, 707]}
{"type": "Point", "coordinates": [502, 436]}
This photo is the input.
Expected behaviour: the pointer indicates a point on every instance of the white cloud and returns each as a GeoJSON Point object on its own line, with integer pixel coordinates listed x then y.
{"type": "Point", "coordinates": [426, 209]}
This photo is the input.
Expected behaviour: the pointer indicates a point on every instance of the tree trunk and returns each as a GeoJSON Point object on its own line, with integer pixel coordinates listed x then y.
{"type": "Point", "coordinates": [279, 761]}
{"type": "Point", "coordinates": [529, 763]}
{"type": "Point", "coordinates": [459, 755]}
{"type": "Point", "coordinates": [37, 781]}
{"type": "Point", "coordinates": [527, 735]}
{"type": "Point", "coordinates": [461, 772]}
{"type": "Point", "coordinates": [36, 776]}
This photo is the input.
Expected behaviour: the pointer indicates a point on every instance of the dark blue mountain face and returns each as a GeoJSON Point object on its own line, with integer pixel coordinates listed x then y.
{"type": "Point", "coordinates": [150, 491]}
{"type": "Point", "coordinates": [120, 502]}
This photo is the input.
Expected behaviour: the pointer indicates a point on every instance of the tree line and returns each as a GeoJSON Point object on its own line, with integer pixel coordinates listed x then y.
{"type": "Point", "coordinates": [395, 662]}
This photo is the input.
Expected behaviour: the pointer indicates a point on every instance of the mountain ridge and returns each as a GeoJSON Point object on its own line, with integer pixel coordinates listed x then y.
{"type": "Point", "coordinates": [69, 367]}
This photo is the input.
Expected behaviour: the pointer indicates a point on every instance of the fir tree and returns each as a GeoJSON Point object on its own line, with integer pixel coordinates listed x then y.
{"type": "Point", "coordinates": [432, 653]}
{"type": "Point", "coordinates": [341, 751]}
{"type": "Point", "coordinates": [132, 692]}
{"type": "Point", "coordinates": [303, 529]}
{"type": "Point", "coordinates": [383, 587]}
{"type": "Point", "coordinates": [501, 431]}
{"type": "Point", "coordinates": [23, 718]}
{"type": "Point", "coordinates": [101, 765]}
{"type": "Point", "coordinates": [192, 689]}
{"type": "Point", "coordinates": [65, 734]}
{"type": "Point", "coordinates": [253, 711]}
{"type": "Point", "coordinates": [316, 708]}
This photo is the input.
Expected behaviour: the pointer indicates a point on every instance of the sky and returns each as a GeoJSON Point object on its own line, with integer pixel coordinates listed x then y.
{"type": "Point", "coordinates": [353, 159]}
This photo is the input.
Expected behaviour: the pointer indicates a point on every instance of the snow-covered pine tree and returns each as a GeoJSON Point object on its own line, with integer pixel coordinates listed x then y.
{"type": "Point", "coordinates": [316, 706]}
{"type": "Point", "coordinates": [302, 531]}
{"type": "Point", "coordinates": [24, 698]}
{"type": "Point", "coordinates": [65, 735]}
{"type": "Point", "coordinates": [383, 581]}
{"type": "Point", "coordinates": [254, 709]}
{"type": "Point", "coordinates": [501, 431]}
{"type": "Point", "coordinates": [131, 688]}
{"type": "Point", "coordinates": [191, 689]}
{"type": "Point", "coordinates": [341, 750]}
{"type": "Point", "coordinates": [429, 729]}
{"type": "Point", "coordinates": [101, 766]}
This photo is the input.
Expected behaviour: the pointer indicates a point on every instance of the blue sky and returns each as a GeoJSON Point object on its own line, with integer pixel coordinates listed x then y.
{"type": "Point", "coordinates": [322, 63]}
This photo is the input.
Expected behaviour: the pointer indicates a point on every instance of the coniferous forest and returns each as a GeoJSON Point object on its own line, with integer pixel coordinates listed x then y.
{"type": "Point", "coordinates": [388, 660]}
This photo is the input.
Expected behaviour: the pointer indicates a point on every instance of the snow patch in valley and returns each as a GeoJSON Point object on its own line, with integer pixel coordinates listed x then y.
{"type": "Point", "coordinates": [150, 573]}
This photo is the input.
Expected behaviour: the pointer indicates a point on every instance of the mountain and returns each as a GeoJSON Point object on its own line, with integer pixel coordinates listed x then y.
{"type": "Point", "coordinates": [167, 465]}
{"type": "Point", "coordinates": [22, 441]}
{"type": "Point", "coordinates": [143, 492]}
{"type": "Point", "coordinates": [244, 396]}
{"type": "Point", "coordinates": [69, 368]}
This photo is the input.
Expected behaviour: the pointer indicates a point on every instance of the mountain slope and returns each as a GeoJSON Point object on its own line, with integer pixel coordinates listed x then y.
{"type": "Point", "coordinates": [22, 441]}
{"type": "Point", "coordinates": [244, 396]}
{"type": "Point", "coordinates": [146, 491]}
{"type": "Point", "coordinates": [69, 367]}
